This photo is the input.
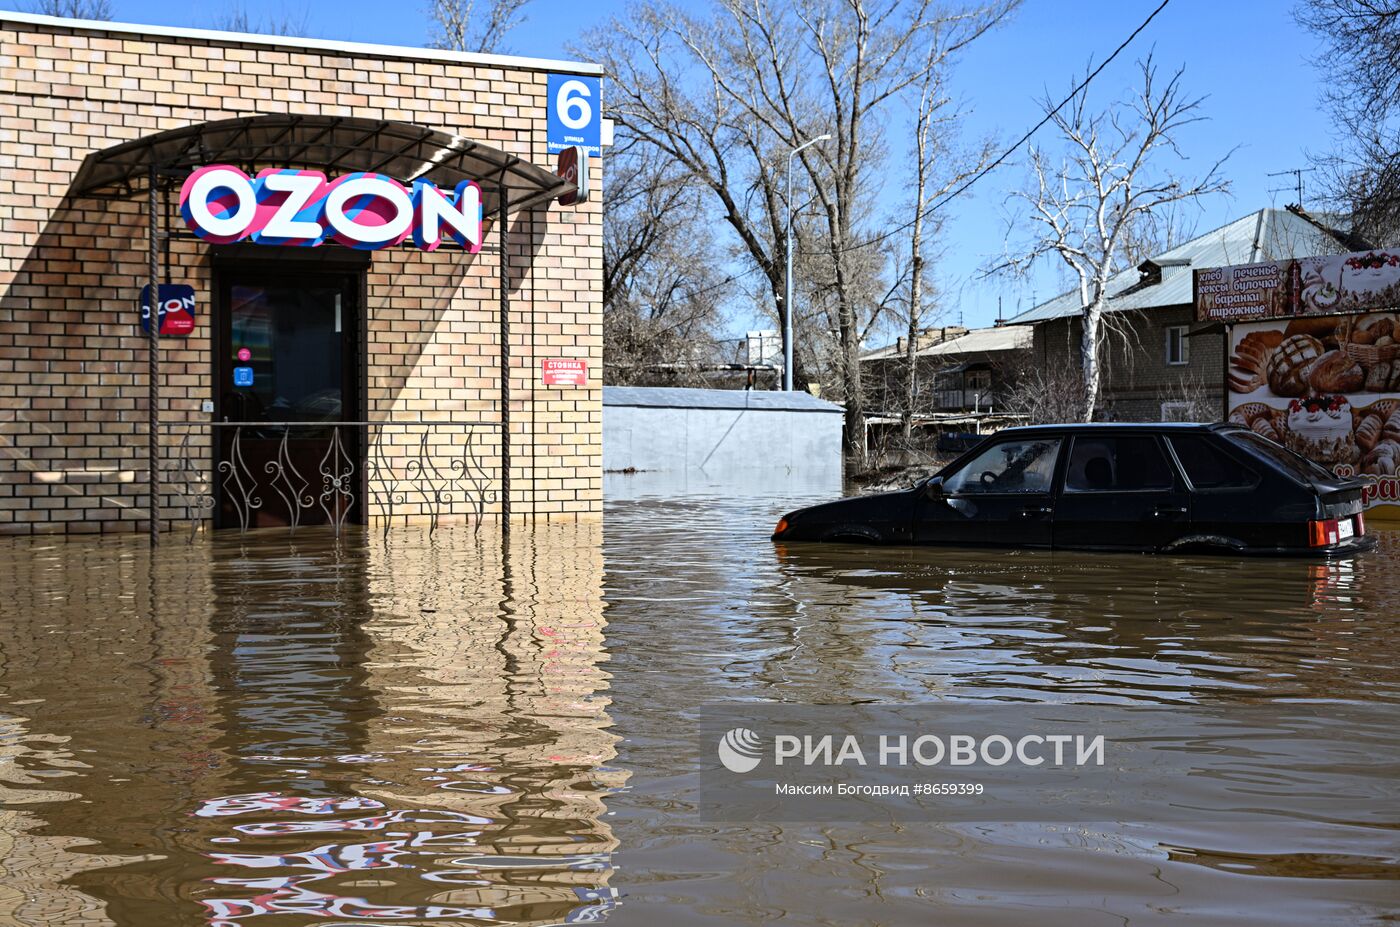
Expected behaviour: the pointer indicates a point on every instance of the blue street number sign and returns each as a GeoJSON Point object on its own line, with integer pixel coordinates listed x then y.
{"type": "Point", "coordinates": [575, 113]}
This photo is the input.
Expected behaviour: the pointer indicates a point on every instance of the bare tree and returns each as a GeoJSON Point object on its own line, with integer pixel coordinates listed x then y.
{"type": "Point", "coordinates": [937, 170]}
{"type": "Point", "coordinates": [931, 100]}
{"type": "Point", "coordinates": [236, 18]}
{"type": "Point", "coordinates": [460, 26]}
{"type": "Point", "coordinates": [1086, 206]}
{"type": "Point", "coordinates": [74, 9]}
{"type": "Point", "coordinates": [1360, 69]}
{"type": "Point", "coordinates": [726, 96]}
{"type": "Point", "coordinates": [1044, 395]}
{"type": "Point", "coordinates": [661, 309]}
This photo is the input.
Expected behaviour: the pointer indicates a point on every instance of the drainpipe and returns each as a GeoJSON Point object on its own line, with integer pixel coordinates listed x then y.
{"type": "Point", "coordinates": [505, 363]}
{"type": "Point", "coordinates": [153, 367]}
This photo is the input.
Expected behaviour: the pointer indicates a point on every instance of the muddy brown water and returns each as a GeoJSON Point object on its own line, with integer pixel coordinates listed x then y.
{"type": "Point", "coordinates": [447, 729]}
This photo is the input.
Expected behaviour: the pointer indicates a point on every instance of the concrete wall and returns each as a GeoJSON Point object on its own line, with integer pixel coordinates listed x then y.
{"type": "Point", "coordinates": [720, 441]}
{"type": "Point", "coordinates": [73, 360]}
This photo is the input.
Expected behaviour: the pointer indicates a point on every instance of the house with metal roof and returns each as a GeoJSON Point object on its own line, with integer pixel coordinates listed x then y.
{"type": "Point", "coordinates": [958, 370]}
{"type": "Point", "coordinates": [1159, 365]}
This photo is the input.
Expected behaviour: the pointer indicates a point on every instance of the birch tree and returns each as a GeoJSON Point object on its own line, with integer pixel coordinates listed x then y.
{"type": "Point", "coordinates": [1085, 204]}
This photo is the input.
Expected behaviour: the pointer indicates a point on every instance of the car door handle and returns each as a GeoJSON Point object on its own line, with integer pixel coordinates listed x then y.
{"type": "Point", "coordinates": [1035, 512]}
{"type": "Point", "coordinates": [1168, 511]}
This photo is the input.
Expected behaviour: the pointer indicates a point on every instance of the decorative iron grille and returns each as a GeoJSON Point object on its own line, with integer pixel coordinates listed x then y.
{"type": "Point", "coordinates": [420, 469]}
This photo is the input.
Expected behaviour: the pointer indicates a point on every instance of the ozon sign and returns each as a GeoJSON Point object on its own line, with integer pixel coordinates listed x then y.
{"type": "Point", "coordinates": [222, 204]}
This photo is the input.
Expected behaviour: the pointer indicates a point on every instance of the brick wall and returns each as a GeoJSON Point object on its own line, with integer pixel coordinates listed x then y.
{"type": "Point", "coordinates": [1137, 377]}
{"type": "Point", "coordinates": [73, 360]}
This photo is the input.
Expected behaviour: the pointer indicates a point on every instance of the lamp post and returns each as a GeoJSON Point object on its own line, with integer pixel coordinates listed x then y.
{"type": "Point", "coordinates": [787, 279]}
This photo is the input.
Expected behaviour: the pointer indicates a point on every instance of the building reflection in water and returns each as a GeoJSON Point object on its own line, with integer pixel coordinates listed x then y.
{"type": "Point", "coordinates": [413, 730]}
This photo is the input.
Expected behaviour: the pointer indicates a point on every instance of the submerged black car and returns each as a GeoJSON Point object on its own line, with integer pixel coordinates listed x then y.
{"type": "Point", "coordinates": [1143, 487]}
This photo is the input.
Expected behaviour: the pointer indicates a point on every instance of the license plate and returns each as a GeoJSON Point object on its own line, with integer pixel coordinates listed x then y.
{"type": "Point", "coordinates": [1345, 529]}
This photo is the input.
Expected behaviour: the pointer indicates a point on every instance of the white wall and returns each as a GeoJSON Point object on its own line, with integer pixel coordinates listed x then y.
{"type": "Point", "coordinates": [718, 442]}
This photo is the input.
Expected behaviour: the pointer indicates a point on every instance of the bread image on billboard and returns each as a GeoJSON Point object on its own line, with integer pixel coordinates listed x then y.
{"type": "Point", "coordinates": [1327, 387]}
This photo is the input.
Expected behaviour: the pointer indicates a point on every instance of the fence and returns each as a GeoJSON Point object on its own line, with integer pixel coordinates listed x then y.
{"type": "Point", "coordinates": [291, 473]}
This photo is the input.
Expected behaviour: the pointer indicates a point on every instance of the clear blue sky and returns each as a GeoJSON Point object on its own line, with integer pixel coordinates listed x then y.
{"type": "Point", "coordinates": [1247, 56]}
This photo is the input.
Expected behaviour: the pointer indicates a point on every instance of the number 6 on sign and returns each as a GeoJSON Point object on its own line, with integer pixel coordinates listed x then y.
{"type": "Point", "coordinates": [574, 104]}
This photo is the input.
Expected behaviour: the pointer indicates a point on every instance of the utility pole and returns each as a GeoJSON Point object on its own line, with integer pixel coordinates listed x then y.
{"type": "Point", "coordinates": [787, 278]}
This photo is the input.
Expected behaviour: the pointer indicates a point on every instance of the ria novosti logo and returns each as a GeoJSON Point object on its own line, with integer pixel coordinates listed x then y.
{"type": "Point", "coordinates": [740, 750]}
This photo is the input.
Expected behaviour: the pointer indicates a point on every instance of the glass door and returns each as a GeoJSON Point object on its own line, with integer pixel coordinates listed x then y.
{"type": "Point", "coordinates": [288, 369]}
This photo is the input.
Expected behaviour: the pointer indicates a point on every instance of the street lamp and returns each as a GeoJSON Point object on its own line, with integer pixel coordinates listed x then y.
{"type": "Point", "coordinates": [787, 280]}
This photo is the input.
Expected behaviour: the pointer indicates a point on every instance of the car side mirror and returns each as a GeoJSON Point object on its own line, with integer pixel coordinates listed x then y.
{"type": "Point", "coordinates": [932, 488]}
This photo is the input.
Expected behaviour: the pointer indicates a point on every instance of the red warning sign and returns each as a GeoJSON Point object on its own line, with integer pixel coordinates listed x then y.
{"type": "Point", "coordinates": [564, 371]}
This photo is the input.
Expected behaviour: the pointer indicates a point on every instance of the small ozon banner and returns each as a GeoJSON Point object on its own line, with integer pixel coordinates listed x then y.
{"type": "Point", "coordinates": [564, 371]}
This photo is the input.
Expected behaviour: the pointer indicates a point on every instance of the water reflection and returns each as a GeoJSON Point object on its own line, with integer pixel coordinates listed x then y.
{"type": "Point", "coordinates": [266, 731]}
{"type": "Point", "coordinates": [828, 624]}
{"type": "Point", "coordinates": [429, 730]}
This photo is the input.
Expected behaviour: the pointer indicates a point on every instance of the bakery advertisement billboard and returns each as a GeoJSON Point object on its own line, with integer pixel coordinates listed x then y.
{"type": "Point", "coordinates": [1327, 387]}
{"type": "Point", "coordinates": [1363, 281]}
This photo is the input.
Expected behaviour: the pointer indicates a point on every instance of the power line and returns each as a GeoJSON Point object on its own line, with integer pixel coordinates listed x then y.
{"type": "Point", "coordinates": [1019, 142]}
{"type": "Point", "coordinates": [1001, 159]}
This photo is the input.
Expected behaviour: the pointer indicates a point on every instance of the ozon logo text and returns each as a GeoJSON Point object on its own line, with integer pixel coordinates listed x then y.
{"type": "Point", "coordinates": [367, 211]}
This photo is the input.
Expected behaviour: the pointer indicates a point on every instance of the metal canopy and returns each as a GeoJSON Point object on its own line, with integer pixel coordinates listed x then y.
{"type": "Point", "coordinates": [332, 144]}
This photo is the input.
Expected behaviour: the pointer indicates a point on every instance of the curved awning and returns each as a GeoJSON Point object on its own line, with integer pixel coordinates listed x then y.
{"type": "Point", "coordinates": [332, 144]}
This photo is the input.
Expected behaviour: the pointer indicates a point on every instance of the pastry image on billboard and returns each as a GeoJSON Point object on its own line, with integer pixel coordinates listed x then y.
{"type": "Point", "coordinates": [1330, 430]}
{"type": "Point", "coordinates": [1368, 280]}
{"type": "Point", "coordinates": [1316, 356]}
{"type": "Point", "coordinates": [1250, 361]}
{"type": "Point", "coordinates": [1321, 429]}
{"type": "Point", "coordinates": [1289, 365]}
{"type": "Point", "coordinates": [1327, 387]}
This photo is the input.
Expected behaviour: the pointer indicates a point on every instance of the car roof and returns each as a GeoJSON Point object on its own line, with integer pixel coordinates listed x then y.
{"type": "Point", "coordinates": [1109, 427]}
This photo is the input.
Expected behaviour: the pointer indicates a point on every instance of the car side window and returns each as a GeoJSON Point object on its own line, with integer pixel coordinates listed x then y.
{"type": "Point", "coordinates": [1114, 463]}
{"type": "Point", "coordinates": [1025, 465]}
{"type": "Point", "coordinates": [1209, 467]}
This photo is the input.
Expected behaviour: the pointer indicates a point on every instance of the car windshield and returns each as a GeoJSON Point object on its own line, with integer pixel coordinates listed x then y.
{"type": "Point", "coordinates": [1296, 464]}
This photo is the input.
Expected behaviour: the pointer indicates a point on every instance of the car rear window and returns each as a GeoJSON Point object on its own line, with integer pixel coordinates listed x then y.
{"type": "Point", "coordinates": [1209, 467]}
{"type": "Point", "coordinates": [1102, 463]}
{"type": "Point", "coordinates": [1295, 464]}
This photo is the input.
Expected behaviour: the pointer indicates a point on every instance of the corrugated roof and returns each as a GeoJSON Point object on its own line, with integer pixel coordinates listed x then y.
{"type": "Point", "coordinates": [669, 397]}
{"type": "Point", "coordinates": [935, 335]}
{"type": "Point", "coordinates": [1264, 235]}
{"type": "Point", "coordinates": [1000, 338]}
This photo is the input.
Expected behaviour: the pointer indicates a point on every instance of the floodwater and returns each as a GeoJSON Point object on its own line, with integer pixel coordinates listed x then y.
{"type": "Point", "coordinates": [450, 729]}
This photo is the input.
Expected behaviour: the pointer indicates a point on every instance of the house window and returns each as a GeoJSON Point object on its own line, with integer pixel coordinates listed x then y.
{"type": "Point", "coordinates": [1176, 345]}
{"type": "Point", "coordinates": [1176, 411]}
{"type": "Point", "coordinates": [978, 380]}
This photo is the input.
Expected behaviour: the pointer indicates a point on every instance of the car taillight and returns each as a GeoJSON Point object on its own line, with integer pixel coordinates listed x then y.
{"type": "Point", "coordinates": [1322, 533]}
{"type": "Point", "coordinates": [1360, 524]}
{"type": "Point", "coordinates": [782, 526]}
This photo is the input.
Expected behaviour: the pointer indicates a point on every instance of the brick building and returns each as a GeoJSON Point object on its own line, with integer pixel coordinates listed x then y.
{"type": "Point", "coordinates": [1164, 367]}
{"type": "Point", "coordinates": [332, 384]}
